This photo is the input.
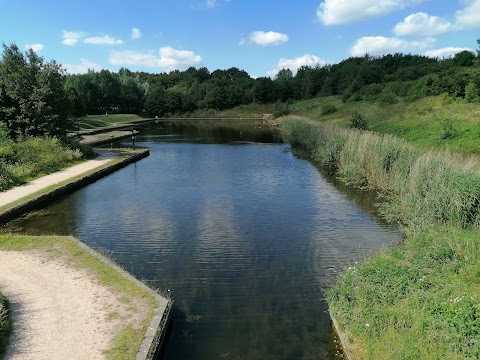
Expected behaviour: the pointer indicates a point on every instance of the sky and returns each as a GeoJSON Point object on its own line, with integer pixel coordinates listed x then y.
{"type": "Point", "coordinates": [260, 37]}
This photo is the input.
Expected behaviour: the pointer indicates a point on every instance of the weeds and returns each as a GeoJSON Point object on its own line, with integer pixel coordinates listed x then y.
{"type": "Point", "coordinates": [25, 160]}
{"type": "Point", "coordinates": [5, 325]}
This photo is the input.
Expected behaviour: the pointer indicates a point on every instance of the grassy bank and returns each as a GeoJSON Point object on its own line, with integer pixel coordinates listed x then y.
{"type": "Point", "coordinates": [5, 325]}
{"type": "Point", "coordinates": [423, 122]}
{"type": "Point", "coordinates": [98, 121]}
{"type": "Point", "coordinates": [26, 160]}
{"type": "Point", "coordinates": [418, 300]}
{"type": "Point", "coordinates": [127, 342]}
{"type": "Point", "coordinates": [122, 154]}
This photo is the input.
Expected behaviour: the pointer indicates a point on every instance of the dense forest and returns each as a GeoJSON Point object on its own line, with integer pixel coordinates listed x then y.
{"type": "Point", "coordinates": [39, 98]}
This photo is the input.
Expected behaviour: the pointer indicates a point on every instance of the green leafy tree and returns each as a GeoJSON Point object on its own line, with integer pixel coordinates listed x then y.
{"type": "Point", "coordinates": [155, 101]}
{"type": "Point", "coordinates": [34, 101]}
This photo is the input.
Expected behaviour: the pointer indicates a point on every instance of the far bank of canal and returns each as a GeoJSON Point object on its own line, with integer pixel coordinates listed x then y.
{"type": "Point", "coordinates": [244, 233]}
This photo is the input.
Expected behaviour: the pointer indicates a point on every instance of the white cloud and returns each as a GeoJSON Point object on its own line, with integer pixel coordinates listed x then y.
{"type": "Point", "coordinates": [71, 38]}
{"type": "Point", "coordinates": [336, 12]}
{"type": "Point", "coordinates": [83, 67]}
{"type": "Point", "coordinates": [421, 24]}
{"type": "Point", "coordinates": [35, 47]}
{"type": "Point", "coordinates": [379, 45]}
{"type": "Point", "coordinates": [210, 4]}
{"type": "Point", "coordinates": [295, 64]}
{"type": "Point", "coordinates": [136, 34]}
{"type": "Point", "coordinates": [445, 52]}
{"type": "Point", "coordinates": [266, 38]}
{"type": "Point", "coordinates": [167, 58]}
{"type": "Point", "coordinates": [103, 40]}
{"type": "Point", "coordinates": [470, 15]}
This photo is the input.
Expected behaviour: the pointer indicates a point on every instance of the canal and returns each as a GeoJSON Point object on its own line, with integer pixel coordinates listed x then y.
{"type": "Point", "coordinates": [244, 233]}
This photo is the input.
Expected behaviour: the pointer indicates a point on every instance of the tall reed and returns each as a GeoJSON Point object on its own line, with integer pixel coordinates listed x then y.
{"type": "Point", "coordinates": [420, 188]}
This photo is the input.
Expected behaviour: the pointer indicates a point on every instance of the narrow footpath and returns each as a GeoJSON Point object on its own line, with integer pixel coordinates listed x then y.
{"type": "Point", "coordinates": [32, 187]}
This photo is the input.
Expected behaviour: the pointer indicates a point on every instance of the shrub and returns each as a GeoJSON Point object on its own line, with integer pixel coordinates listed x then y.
{"type": "Point", "coordinates": [281, 109]}
{"type": "Point", "coordinates": [448, 131]}
{"type": "Point", "coordinates": [357, 121]}
{"type": "Point", "coordinates": [387, 98]}
{"type": "Point", "coordinates": [5, 325]}
{"type": "Point", "coordinates": [328, 109]}
{"type": "Point", "coordinates": [75, 144]}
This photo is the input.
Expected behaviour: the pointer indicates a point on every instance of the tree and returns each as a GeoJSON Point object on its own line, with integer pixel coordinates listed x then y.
{"type": "Point", "coordinates": [33, 97]}
{"type": "Point", "coordinates": [155, 101]}
{"type": "Point", "coordinates": [464, 58]}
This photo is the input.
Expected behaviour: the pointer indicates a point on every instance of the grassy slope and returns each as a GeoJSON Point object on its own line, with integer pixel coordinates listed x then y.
{"type": "Point", "coordinates": [97, 121]}
{"type": "Point", "coordinates": [419, 122]}
{"type": "Point", "coordinates": [127, 343]}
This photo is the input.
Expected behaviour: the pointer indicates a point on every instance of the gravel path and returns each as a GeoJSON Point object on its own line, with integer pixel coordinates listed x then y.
{"type": "Point", "coordinates": [58, 312]}
{"type": "Point", "coordinates": [19, 192]}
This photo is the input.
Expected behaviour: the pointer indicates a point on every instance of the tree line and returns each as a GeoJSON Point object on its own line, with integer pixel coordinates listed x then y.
{"type": "Point", "coordinates": [39, 98]}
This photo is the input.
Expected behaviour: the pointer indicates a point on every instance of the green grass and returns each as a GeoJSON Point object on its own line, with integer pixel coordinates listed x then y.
{"type": "Point", "coordinates": [5, 324]}
{"type": "Point", "coordinates": [252, 110]}
{"type": "Point", "coordinates": [90, 122]}
{"type": "Point", "coordinates": [127, 342]}
{"type": "Point", "coordinates": [418, 300]}
{"type": "Point", "coordinates": [419, 122]}
{"type": "Point", "coordinates": [26, 160]}
{"type": "Point", "coordinates": [122, 155]}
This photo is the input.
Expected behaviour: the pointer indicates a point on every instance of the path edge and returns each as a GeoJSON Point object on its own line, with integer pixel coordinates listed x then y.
{"type": "Point", "coordinates": [44, 198]}
{"type": "Point", "coordinates": [155, 333]}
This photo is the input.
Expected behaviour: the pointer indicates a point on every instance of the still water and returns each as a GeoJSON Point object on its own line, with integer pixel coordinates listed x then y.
{"type": "Point", "coordinates": [244, 233]}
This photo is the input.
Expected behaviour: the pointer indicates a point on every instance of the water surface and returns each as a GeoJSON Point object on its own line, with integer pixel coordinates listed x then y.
{"type": "Point", "coordinates": [245, 234]}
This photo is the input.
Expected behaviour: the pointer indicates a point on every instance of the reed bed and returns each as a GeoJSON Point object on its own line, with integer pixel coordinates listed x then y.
{"type": "Point", "coordinates": [419, 188]}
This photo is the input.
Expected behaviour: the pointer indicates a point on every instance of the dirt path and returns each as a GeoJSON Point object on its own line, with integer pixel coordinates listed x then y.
{"type": "Point", "coordinates": [18, 192]}
{"type": "Point", "coordinates": [58, 312]}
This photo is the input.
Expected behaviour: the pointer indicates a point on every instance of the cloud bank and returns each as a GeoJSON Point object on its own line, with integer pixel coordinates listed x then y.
{"type": "Point", "coordinates": [167, 58]}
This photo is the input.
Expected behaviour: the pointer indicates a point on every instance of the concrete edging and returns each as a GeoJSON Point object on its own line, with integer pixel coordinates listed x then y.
{"type": "Point", "coordinates": [346, 346]}
{"type": "Point", "coordinates": [156, 330]}
{"type": "Point", "coordinates": [44, 198]}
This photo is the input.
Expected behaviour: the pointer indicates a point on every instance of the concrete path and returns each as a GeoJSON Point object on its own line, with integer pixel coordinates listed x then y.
{"type": "Point", "coordinates": [19, 192]}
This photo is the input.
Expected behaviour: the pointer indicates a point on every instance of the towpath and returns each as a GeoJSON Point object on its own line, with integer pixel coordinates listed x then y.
{"type": "Point", "coordinates": [16, 193]}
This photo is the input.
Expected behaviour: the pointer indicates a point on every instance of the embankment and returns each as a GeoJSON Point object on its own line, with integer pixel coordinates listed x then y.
{"type": "Point", "coordinates": [43, 196]}
{"type": "Point", "coordinates": [418, 300]}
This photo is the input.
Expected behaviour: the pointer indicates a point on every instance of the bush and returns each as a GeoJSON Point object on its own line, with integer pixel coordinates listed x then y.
{"type": "Point", "coordinates": [75, 144]}
{"type": "Point", "coordinates": [5, 325]}
{"type": "Point", "coordinates": [387, 98]}
{"type": "Point", "coordinates": [281, 109]}
{"type": "Point", "coordinates": [328, 109]}
{"type": "Point", "coordinates": [358, 122]}
{"type": "Point", "coordinates": [448, 131]}
{"type": "Point", "coordinates": [22, 161]}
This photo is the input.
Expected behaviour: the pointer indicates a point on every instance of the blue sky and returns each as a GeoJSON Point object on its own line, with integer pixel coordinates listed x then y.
{"type": "Point", "coordinates": [259, 37]}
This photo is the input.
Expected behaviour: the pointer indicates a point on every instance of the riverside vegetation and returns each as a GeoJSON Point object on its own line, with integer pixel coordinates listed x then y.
{"type": "Point", "coordinates": [5, 324]}
{"type": "Point", "coordinates": [420, 299]}
{"type": "Point", "coordinates": [26, 160]}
